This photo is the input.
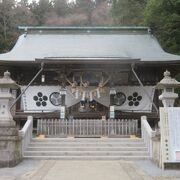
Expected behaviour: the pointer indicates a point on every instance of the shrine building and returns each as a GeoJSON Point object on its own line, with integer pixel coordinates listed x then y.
{"type": "Point", "coordinates": [87, 72]}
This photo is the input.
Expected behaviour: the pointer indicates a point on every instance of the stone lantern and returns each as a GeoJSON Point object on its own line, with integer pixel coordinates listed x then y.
{"type": "Point", "coordinates": [6, 85]}
{"type": "Point", "coordinates": [168, 84]}
{"type": "Point", "coordinates": [10, 141]}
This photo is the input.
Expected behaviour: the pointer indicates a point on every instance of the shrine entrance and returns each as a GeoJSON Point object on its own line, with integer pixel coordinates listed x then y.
{"type": "Point", "coordinates": [87, 110]}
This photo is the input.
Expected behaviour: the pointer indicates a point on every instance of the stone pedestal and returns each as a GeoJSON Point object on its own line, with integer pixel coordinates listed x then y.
{"type": "Point", "coordinates": [10, 146]}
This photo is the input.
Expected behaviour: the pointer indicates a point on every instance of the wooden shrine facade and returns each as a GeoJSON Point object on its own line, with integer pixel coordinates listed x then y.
{"type": "Point", "coordinates": [88, 73]}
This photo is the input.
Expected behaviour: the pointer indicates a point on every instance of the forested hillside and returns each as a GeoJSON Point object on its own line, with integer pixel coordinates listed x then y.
{"type": "Point", "coordinates": [163, 16]}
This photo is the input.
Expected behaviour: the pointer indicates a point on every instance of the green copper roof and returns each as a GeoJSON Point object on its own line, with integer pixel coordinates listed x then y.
{"type": "Point", "coordinates": [74, 44]}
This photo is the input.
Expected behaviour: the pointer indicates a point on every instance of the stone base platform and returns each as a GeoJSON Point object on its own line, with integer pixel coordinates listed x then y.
{"type": "Point", "coordinates": [10, 146]}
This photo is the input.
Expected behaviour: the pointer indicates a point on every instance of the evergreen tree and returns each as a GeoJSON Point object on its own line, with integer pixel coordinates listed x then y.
{"type": "Point", "coordinates": [6, 24]}
{"type": "Point", "coordinates": [163, 16]}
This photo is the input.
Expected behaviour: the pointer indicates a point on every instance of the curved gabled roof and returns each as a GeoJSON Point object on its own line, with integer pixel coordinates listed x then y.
{"type": "Point", "coordinates": [54, 43]}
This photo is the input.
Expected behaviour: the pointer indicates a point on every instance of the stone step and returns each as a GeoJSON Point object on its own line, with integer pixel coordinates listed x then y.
{"type": "Point", "coordinates": [105, 158]}
{"type": "Point", "coordinates": [87, 149]}
{"type": "Point", "coordinates": [94, 148]}
{"type": "Point", "coordinates": [87, 144]}
{"type": "Point", "coordinates": [87, 140]}
{"type": "Point", "coordinates": [85, 153]}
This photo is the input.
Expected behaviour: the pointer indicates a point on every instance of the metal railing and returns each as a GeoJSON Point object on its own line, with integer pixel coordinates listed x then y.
{"type": "Point", "coordinates": [147, 133]}
{"type": "Point", "coordinates": [26, 133]}
{"type": "Point", "coordinates": [87, 127]}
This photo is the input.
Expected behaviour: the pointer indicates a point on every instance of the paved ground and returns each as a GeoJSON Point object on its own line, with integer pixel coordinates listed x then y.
{"type": "Point", "coordinates": [87, 170]}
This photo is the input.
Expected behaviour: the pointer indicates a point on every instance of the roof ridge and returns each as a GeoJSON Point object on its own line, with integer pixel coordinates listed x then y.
{"type": "Point", "coordinates": [100, 28]}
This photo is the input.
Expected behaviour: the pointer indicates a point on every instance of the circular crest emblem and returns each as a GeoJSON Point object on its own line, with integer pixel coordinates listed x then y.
{"type": "Point", "coordinates": [119, 99]}
{"type": "Point", "coordinates": [55, 98]}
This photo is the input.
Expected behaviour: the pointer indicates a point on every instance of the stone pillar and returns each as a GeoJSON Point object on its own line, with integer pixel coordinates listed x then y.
{"type": "Point", "coordinates": [156, 154]}
{"type": "Point", "coordinates": [10, 141]}
{"type": "Point", "coordinates": [112, 107]}
{"type": "Point", "coordinates": [63, 104]}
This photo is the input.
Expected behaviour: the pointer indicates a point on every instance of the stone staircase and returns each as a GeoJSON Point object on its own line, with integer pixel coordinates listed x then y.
{"type": "Point", "coordinates": [87, 149]}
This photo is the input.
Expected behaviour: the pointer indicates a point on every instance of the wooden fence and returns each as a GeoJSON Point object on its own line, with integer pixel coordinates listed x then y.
{"type": "Point", "coordinates": [87, 127]}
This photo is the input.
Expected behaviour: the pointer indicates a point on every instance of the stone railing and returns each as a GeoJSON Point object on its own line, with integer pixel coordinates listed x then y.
{"type": "Point", "coordinates": [147, 134]}
{"type": "Point", "coordinates": [26, 133]}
